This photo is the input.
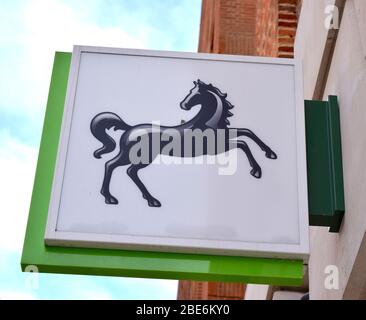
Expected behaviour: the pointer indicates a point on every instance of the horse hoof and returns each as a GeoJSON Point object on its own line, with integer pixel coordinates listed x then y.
{"type": "Point", "coordinates": [111, 200]}
{"type": "Point", "coordinates": [271, 155]}
{"type": "Point", "coordinates": [154, 203]}
{"type": "Point", "coordinates": [256, 173]}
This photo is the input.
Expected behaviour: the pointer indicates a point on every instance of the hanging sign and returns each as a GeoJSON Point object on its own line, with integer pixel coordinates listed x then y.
{"type": "Point", "coordinates": [181, 152]}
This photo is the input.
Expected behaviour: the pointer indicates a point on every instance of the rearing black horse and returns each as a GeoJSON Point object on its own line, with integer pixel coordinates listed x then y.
{"type": "Point", "coordinates": [215, 110]}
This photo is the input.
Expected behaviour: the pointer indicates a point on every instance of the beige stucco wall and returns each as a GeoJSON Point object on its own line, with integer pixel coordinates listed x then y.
{"type": "Point", "coordinates": [256, 292]}
{"type": "Point", "coordinates": [310, 41]}
{"type": "Point", "coordinates": [347, 80]}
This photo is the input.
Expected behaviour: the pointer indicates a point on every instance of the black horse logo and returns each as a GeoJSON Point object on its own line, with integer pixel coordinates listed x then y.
{"type": "Point", "coordinates": [215, 109]}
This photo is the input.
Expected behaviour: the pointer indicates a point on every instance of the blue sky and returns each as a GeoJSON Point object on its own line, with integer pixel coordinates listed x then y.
{"type": "Point", "coordinates": [30, 32]}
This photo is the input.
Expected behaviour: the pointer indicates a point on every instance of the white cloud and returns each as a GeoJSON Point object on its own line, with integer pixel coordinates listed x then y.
{"type": "Point", "coordinates": [81, 288]}
{"type": "Point", "coordinates": [153, 288]}
{"type": "Point", "coordinates": [40, 28]}
{"type": "Point", "coordinates": [31, 31]}
{"type": "Point", "coordinates": [17, 168]}
{"type": "Point", "coordinates": [16, 295]}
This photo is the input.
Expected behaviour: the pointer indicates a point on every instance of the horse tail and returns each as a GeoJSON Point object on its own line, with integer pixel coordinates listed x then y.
{"type": "Point", "coordinates": [98, 126]}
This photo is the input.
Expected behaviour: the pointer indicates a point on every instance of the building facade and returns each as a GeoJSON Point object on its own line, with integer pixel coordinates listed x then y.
{"type": "Point", "coordinates": [249, 27]}
{"type": "Point", "coordinates": [331, 42]}
{"type": "Point", "coordinates": [228, 26]}
{"type": "Point", "coordinates": [244, 27]}
{"type": "Point", "coordinates": [334, 64]}
{"type": "Point", "coordinates": [329, 36]}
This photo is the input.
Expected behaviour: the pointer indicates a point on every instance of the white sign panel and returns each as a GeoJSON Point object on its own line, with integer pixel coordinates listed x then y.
{"type": "Point", "coordinates": [181, 152]}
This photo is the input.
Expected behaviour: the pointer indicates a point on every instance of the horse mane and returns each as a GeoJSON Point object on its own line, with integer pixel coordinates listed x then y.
{"type": "Point", "coordinates": [224, 121]}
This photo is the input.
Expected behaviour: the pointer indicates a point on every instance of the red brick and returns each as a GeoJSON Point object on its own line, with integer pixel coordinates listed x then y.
{"type": "Point", "coordinates": [200, 290]}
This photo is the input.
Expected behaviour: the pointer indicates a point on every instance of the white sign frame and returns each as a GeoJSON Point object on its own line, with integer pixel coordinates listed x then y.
{"type": "Point", "coordinates": [146, 243]}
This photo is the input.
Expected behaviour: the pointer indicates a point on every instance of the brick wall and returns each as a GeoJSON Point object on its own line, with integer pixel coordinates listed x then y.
{"type": "Point", "coordinates": [267, 28]}
{"type": "Point", "coordinates": [225, 291]}
{"type": "Point", "coordinates": [276, 25]}
{"type": "Point", "coordinates": [249, 27]}
{"type": "Point", "coordinates": [228, 26]}
{"type": "Point", "coordinates": [287, 25]}
{"type": "Point", "coordinates": [192, 290]}
{"type": "Point", "coordinates": [207, 27]}
{"type": "Point", "coordinates": [200, 290]}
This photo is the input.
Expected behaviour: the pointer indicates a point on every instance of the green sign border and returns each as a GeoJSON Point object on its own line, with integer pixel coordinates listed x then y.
{"type": "Point", "coordinates": [124, 263]}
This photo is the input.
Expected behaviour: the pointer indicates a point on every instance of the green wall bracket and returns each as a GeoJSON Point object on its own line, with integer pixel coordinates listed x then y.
{"type": "Point", "coordinates": [324, 164]}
